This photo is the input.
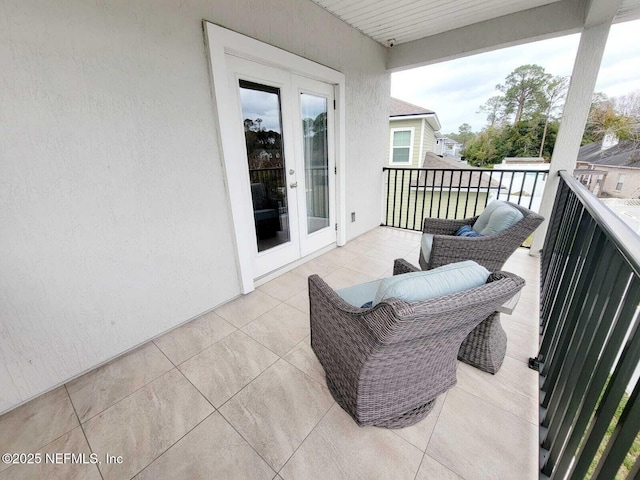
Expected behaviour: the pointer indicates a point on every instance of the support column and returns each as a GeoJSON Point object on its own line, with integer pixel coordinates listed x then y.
{"type": "Point", "coordinates": [574, 119]}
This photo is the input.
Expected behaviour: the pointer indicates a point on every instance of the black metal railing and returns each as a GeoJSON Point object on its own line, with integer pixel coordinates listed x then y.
{"type": "Point", "coordinates": [413, 194]}
{"type": "Point", "coordinates": [590, 341]}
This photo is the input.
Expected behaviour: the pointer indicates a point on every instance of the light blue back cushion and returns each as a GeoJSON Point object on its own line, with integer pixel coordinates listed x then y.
{"type": "Point", "coordinates": [445, 280]}
{"type": "Point", "coordinates": [497, 217]}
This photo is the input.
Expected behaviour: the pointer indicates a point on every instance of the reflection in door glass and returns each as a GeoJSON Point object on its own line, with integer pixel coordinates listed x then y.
{"type": "Point", "coordinates": [265, 156]}
{"type": "Point", "coordinates": [316, 160]}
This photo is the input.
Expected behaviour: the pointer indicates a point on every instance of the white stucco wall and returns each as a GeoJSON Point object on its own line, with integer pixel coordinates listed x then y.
{"type": "Point", "coordinates": [114, 216]}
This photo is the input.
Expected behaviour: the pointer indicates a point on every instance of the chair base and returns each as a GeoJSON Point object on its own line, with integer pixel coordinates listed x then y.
{"type": "Point", "coordinates": [409, 418]}
{"type": "Point", "coordinates": [405, 419]}
{"type": "Point", "coordinates": [486, 346]}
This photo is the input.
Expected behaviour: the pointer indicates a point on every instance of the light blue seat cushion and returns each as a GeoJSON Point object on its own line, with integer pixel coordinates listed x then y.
{"type": "Point", "coordinates": [445, 280]}
{"type": "Point", "coordinates": [497, 217]}
{"type": "Point", "coordinates": [358, 295]}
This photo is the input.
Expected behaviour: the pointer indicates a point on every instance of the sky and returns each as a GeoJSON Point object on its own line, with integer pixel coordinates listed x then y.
{"type": "Point", "coordinates": [266, 106]}
{"type": "Point", "coordinates": [456, 89]}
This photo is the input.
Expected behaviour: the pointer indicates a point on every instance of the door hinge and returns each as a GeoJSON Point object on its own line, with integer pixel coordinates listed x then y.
{"type": "Point", "coordinates": [336, 227]}
{"type": "Point", "coordinates": [335, 170]}
{"type": "Point", "coordinates": [334, 104]}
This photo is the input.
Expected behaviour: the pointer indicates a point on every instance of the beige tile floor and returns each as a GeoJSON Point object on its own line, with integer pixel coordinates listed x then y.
{"type": "Point", "coordinates": [239, 394]}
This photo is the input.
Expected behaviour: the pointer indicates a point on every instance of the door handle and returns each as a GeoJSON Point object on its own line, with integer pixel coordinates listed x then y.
{"type": "Point", "coordinates": [293, 184]}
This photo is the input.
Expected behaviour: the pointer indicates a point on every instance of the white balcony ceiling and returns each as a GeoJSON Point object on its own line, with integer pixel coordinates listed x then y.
{"type": "Point", "coordinates": [407, 20]}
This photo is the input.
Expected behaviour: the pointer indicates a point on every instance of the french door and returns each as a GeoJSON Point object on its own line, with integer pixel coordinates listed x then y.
{"type": "Point", "coordinates": [287, 135]}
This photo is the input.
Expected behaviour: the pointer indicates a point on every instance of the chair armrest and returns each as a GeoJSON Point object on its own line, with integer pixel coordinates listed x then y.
{"type": "Point", "coordinates": [442, 226]}
{"type": "Point", "coordinates": [400, 266]}
{"type": "Point", "coordinates": [368, 325]}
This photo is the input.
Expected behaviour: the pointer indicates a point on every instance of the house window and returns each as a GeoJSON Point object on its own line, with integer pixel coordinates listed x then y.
{"type": "Point", "coordinates": [401, 146]}
{"type": "Point", "coordinates": [620, 182]}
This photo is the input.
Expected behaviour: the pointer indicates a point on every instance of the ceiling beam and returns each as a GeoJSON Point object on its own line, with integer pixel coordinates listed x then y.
{"type": "Point", "coordinates": [547, 21]}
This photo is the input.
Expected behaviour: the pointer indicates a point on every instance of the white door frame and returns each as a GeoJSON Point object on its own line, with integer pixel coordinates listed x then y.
{"type": "Point", "coordinates": [221, 41]}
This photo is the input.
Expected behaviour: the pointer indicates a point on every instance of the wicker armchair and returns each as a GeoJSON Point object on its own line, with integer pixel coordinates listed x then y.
{"type": "Point", "coordinates": [491, 251]}
{"type": "Point", "coordinates": [386, 365]}
{"type": "Point", "coordinates": [486, 345]}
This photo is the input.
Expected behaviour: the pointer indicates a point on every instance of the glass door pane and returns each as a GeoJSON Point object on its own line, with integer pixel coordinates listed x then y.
{"type": "Point", "coordinates": [262, 117]}
{"type": "Point", "coordinates": [316, 160]}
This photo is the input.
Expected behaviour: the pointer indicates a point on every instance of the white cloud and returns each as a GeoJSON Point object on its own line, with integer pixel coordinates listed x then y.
{"type": "Point", "coordinates": [456, 89]}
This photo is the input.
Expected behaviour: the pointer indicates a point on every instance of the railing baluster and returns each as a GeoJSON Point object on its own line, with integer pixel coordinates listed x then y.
{"type": "Point", "coordinates": [466, 201]}
{"type": "Point", "coordinates": [433, 191]}
{"type": "Point", "coordinates": [600, 375]}
{"type": "Point", "coordinates": [415, 200]}
{"type": "Point", "coordinates": [510, 191]}
{"type": "Point", "coordinates": [590, 294]}
{"type": "Point", "coordinates": [404, 212]}
{"type": "Point", "coordinates": [524, 179]}
{"type": "Point", "coordinates": [458, 195]}
{"type": "Point", "coordinates": [533, 189]}
{"type": "Point", "coordinates": [446, 215]}
{"type": "Point", "coordinates": [424, 197]}
{"type": "Point", "coordinates": [402, 200]}
{"type": "Point", "coordinates": [440, 196]}
{"type": "Point", "coordinates": [386, 215]}
{"type": "Point", "coordinates": [475, 207]}
{"type": "Point", "coordinates": [395, 195]}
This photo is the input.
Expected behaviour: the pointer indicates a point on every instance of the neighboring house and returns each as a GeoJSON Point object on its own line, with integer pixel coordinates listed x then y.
{"type": "Point", "coordinates": [412, 133]}
{"type": "Point", "coordinates": [448, 147]}
{"type": "Point", "coordinates": [610, 169]}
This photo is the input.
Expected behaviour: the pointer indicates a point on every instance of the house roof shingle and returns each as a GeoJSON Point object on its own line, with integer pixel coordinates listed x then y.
{"type": "Point", "coordinates": [625, 154]}
{"type": "Point", "coordinates": [400, 108]}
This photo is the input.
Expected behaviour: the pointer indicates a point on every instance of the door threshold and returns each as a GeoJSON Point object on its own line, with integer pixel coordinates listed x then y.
{"type": "Point", "coordinates": [290, 266]}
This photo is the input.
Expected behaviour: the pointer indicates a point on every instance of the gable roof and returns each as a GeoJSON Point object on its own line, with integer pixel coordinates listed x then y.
{"type": "Point", "coordinates": [400, 108]}
{"type": "Point", "coordinates": [625, 154]}
{"type": "Point", "coordinates": [451, 179]}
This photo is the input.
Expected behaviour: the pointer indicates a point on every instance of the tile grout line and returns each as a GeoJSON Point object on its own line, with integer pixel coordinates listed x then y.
{"type": "Point", "coordinates": [126, 396]}
{"type": "Point", "coordinates": [219, 410]}
{"type": "Point", "coordinates": [334, 404]}
{"type": "Point", "coordinates": [518, 417]}
{"type": "Point", "coordinates": [266, 311]}
{"type": "Point", "coordinates": [236, 329]}
{"type": "Point", "coordinates": [247, 441]}
{"type": "Point", "coordinates": [84, 434]}
{"type": "Point", "coordinates": [242, 436]}
{"type": "Point", "coordinates": [173, 444]}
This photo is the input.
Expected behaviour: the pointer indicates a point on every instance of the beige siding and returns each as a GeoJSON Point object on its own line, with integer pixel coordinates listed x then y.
{"type": "Point", "coordinates": [631, 186]}
{"type": "Point", "coordinates": [416, 125]}
{"type": "Point", "coordinates": [428, 139]}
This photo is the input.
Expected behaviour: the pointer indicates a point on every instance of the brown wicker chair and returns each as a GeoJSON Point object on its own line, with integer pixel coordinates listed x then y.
{"type": "Point", "coordinates": [486, 346]}
{"type": "Point", "coordinates": [386, 365]}
{"type": "Point", "coordinates": [491, 251]}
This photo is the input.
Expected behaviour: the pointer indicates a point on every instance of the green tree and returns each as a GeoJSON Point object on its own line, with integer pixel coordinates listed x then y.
{"type": "Point", "coordinates": [481, 151]}
{"type": "Point", "coordinates": [493, 109]}
{"type": "Point", "coordinates": [464, 135]}
{"type": "Point", "coordinates": [523, 91]}
{"type": "Point", "coordinates": [603, 119]}
{"type": "Point", "coordinates": [554, 91]}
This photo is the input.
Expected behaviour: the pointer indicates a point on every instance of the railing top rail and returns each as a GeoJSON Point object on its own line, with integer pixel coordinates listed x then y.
{"type": "Point", "coordinates": [621, 235]}
{"type": "Point", "coordinates": [421, 169]}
